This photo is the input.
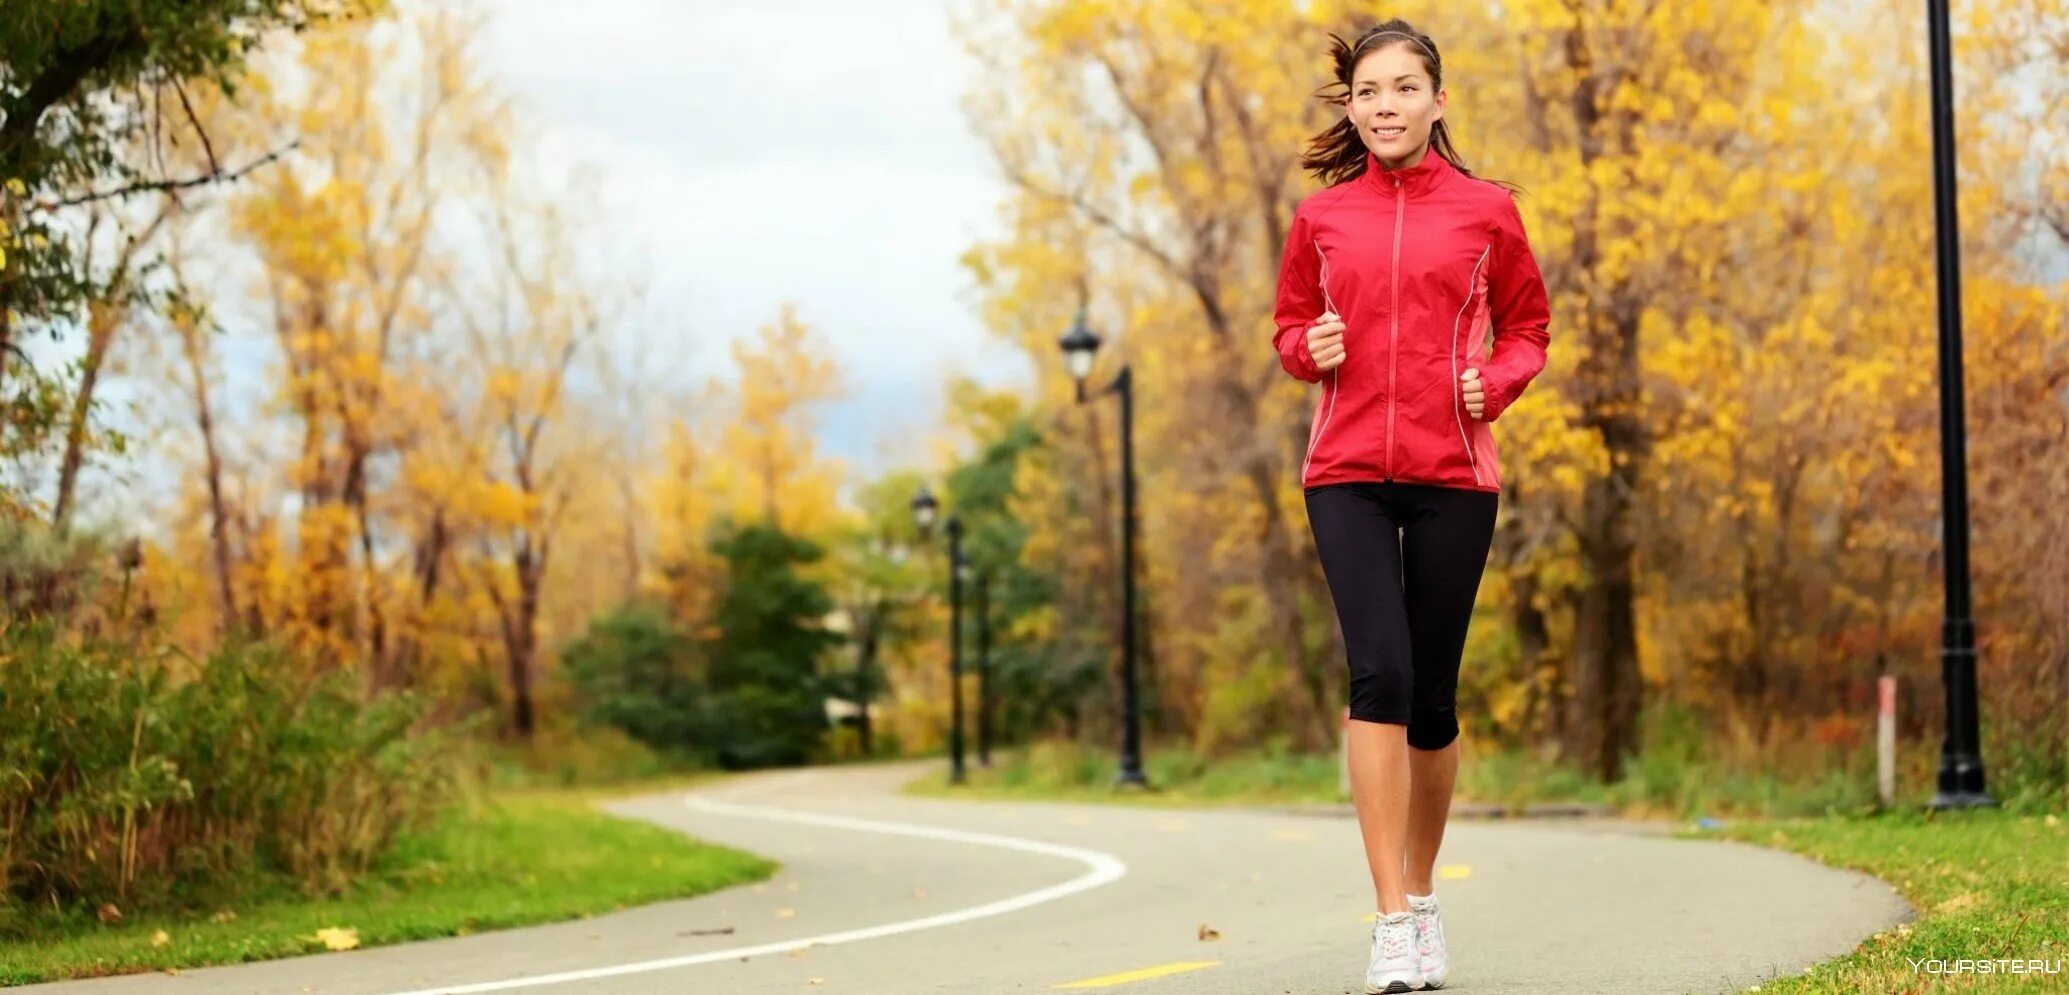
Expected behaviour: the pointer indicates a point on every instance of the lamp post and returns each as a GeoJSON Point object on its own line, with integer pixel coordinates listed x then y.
{"type": "Point", "coordinates": [924, 509]}
{"type": "Point", "coordinates": [1961, 753]}
{"type": "Point", "coordinates": [983, 608]}
{"type": "Point", "coordinates": [1080, 345]}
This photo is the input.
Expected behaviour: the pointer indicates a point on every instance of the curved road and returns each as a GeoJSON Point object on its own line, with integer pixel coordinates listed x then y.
{"type": "Point", "coordinates": [883, 893]}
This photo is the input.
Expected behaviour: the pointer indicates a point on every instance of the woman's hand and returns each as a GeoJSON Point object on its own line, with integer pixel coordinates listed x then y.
{"type": "Point", "coordinates": [1475, 390]}
{"type": "Point", "coordinates": [1325, 341]}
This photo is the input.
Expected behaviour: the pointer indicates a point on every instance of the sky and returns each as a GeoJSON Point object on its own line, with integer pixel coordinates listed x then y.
{"type": "Point", "coordinates": [809, 151]}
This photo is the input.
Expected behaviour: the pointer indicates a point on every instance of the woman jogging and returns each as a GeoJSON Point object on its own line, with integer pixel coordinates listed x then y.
{"type": "Point", "coordinates": [1395, 280]}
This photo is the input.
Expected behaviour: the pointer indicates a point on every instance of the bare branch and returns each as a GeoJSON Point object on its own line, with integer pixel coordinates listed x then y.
{"type": "Point", "coordinates": [1101, 218]}
{"type": "Point", "coordinates": [180, 88]}
{"type": "Point", "coordinates": [168, 186]}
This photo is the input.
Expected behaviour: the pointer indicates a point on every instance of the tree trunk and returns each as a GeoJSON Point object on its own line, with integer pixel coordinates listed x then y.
{"type": "Point", "coordinates": [101, 319]}
{"type": "Point", "coordinates": [520, 633]}
{"type": "Point", "coordinates": [218, 514]}
{"type": "Point", "coordinates": [1603, 721]}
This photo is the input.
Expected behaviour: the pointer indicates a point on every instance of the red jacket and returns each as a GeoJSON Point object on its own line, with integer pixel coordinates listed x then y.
{"type": "Point", "coordinates": [1423, 265]}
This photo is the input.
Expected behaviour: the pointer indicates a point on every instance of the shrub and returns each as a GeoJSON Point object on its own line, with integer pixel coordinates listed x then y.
{"type": "Point", "coordinates": [127, 775]}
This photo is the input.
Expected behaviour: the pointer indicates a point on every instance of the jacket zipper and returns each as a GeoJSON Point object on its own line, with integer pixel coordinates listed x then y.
{"type": "Point", "coordinates": [1394, 320]}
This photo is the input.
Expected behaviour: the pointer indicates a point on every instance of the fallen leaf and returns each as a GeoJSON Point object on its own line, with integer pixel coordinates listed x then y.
{"type": "Point", "coordinates": [1208, 933]}
{"type": "Point", "coordinates": [108, 912]}
{"type": "Point", "coordinates": [1957, 903]}
{"type": "Point", "coordinates": [225, 916]}
{"type": "Point", "coordinates": [1454, 872]}
{"type": "Point", "coordinates": [721, 931]}
{"type": "Point", "coordinates": [785, 913]}
{"type": "Point", "coordinates": [160, 938]}
{"type": "Point", "coordinates": [815, 981]}
{"type": "Point", "coordinates": [174, 971]}
{"type": "Point", "coordinates": [338, 939]}
{"type": "Point", "coordinates": [799, 952]}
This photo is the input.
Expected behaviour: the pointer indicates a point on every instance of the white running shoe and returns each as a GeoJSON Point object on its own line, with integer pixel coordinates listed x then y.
{"type": "Point", "coordinates": [1395, 966]}
{"type": "Point", "coordinates": [1429, 940]}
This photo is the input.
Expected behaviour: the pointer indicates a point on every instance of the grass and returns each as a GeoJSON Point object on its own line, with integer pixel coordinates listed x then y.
{"type": "Point", "coordinates": [1654, 787]}
{"type": "Point", "coordinates": [1067, 771]}
{"type": "Point", "coordinates": [515, 859]}
{"type": "Point", "coordinates": [1989, 885]}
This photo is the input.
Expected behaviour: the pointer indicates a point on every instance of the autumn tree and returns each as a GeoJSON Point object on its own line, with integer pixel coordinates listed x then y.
{"type": "Point", "coordinates": [78, 83]}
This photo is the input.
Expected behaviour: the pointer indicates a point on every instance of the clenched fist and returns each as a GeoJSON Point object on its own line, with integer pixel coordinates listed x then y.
{"type": "Point", "coordinates": [1325, 341]}
{"type": "Point", "coordinates": [1475, 392]}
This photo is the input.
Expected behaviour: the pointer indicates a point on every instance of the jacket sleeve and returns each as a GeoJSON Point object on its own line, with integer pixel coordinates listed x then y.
{"type": "Point", "coordinates": [1521, 313]}
{"type": "Point", "coordinates": [1299, 300]}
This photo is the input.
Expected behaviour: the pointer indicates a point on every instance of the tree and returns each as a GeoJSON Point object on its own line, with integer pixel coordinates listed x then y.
{"type": "Point", "coordinates": [635, 670]}
{"type": "Point", "coordinates": [764, 672]}
{"type": "Point", "coordinates": [83, 80]}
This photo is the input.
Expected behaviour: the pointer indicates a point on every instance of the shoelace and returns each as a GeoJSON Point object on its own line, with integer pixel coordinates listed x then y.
{"type": "Point", "coordinates": [1392, 942]}
{"type": "Point", "coordinates": [1426, 929]}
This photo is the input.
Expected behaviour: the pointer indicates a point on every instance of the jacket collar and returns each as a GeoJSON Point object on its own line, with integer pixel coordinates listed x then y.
{"type": "Point", "coordinates": [1417, 179]}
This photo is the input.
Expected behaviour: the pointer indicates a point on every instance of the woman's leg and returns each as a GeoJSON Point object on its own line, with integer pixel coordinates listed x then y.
{"type": "Point", "coordinates": [1431, 775]}
{"type": "Point", "coordinates": [1379, 793]}
{"type": "Point", "coordinates": [1444, 545]}
{"type": "Point", "coordinates": [1359, 546]}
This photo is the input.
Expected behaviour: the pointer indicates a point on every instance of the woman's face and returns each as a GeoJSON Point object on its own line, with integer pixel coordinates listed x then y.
{"type": "Point", "coordinates": [1393, 104]}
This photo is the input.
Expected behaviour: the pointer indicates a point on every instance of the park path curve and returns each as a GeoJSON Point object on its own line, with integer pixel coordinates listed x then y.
{"type": "Point", "coordinates": [890, 894]}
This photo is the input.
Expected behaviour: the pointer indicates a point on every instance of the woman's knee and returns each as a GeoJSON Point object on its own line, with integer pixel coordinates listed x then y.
{"type": "Point", "coordinates": [1433, 729]}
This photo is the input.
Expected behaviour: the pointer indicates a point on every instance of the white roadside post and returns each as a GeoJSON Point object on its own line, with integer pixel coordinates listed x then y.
{"type": "Point", "coordinates": [1886, 739]}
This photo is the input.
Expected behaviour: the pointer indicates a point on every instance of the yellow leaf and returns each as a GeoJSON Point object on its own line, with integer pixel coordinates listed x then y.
{"type": "Point", "coordinates": [160, 938]}
{"type": "Point", "coordinates": [338, 939]}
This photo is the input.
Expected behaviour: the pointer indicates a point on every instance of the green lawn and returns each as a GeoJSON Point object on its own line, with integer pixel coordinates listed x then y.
{"type": "Point", "coordinates": [1057, 770]}
{"type": "Point", "coordinates": [523, 857]}
{"type": "Point", "coordinates": [1988, 885]}
{"type": "Point", "coordinates": [1064, 771]}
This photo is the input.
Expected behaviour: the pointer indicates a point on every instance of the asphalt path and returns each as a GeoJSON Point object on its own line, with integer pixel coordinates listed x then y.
{"type": "Point", "coordinates": [886, 893]}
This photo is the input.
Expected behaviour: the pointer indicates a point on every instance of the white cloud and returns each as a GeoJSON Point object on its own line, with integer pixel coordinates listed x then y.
{"type": "Point", "coordinates": [810, 152]}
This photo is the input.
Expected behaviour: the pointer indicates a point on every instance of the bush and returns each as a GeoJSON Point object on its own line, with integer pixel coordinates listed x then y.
{"type": "Point", "coordinates": [127, 776]}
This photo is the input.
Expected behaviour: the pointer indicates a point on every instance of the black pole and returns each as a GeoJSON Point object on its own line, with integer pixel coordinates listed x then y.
{"type": "Point", "coordinates": [955, 650]}
{"type": "Point", "coordinates": [983, 608]}
{"type": "Point", "coordinates": [866, 661]}
{"type": "Point", "coordinates": [1130, 773]}
{"type": "Point", "coordinates": [1961, 754]}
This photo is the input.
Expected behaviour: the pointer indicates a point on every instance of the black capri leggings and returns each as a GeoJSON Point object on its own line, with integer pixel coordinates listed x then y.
{"type": "Point", "coordinates": [1404, 598]}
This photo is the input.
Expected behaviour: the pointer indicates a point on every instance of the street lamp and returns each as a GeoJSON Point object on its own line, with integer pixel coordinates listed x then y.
{"type": "Point", "coordinates": [1080, 344]}
{"type": "Point", "coordinates": [1961, 752]}
{"type": "Point", "coordinates": [924, 510]}
{"type": "Point", "coordinates": [983, 608]}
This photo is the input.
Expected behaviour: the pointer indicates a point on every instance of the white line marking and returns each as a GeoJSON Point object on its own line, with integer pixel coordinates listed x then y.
{"type": "Point", "coordinates": [1104, 869]}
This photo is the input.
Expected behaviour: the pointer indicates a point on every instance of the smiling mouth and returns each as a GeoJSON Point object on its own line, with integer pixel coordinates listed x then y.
{"type": "Point", "coordinates": [1389, 133]}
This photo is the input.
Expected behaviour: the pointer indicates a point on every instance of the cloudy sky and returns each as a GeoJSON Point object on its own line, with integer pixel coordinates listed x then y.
{"type": "Point", "coordinates": [810, 151]}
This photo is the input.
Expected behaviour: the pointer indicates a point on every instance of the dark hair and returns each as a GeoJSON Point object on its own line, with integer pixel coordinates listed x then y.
{"type": "Point", "coordinates": [1338, 154]}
